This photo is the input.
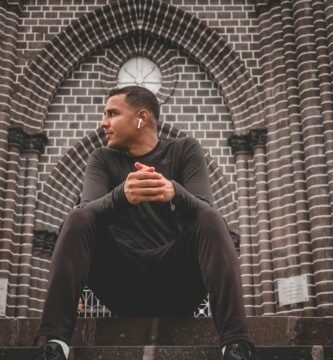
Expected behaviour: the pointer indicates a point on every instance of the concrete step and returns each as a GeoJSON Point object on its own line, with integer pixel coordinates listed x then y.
{"type": "Point", "coordinates": [266, 331]}
{"type": "Point", "coordinates": [174, 353]}
{"type": "Point", "coordinates": [277, 338]}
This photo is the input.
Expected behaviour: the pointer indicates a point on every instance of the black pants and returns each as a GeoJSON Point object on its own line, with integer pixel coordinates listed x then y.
{"type": "Point", "coordinates": [170, 280]}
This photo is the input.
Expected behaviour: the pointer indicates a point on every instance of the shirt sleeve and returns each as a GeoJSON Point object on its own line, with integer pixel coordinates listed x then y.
{"type": "Point", "coordinates": [99, 192]}
{"type": "Point", "coordinates": [193, 190]}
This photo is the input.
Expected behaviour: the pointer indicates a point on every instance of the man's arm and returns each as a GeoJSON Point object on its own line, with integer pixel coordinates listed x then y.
{"type": "Point", "coordinates": [99, 193]}
{"type": "Point", "coordinates": [193, 190]}
{"type": "Point", "coordinates": [190, 192]}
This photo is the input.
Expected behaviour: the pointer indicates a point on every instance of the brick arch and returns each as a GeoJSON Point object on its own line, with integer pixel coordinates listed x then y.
{"type": "Point", "coordinates": [98, 28]}
{"type": "Point", "coordinates": [63, 187]}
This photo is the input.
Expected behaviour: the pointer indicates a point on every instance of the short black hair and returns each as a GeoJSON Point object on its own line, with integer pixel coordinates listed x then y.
{"type": "Point", "coordinates": [138, 96]}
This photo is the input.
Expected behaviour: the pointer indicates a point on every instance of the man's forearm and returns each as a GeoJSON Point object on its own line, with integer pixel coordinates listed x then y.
{"type": "Point", "coordinates": [115, 200]}
{"type": "Point", "coordinates": [185, 201]}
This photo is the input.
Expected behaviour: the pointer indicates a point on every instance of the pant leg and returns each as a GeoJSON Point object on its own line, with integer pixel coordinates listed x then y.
{"type": "Point", "coordinates": [87, 254]}
{"type": "Point", "coordinates": [69, 271]}
{"type": "Point", "coordinates": [172, 278]}
{"type": "Point", "coordinates": [202, 260]}
{"type": "Point", "coordinates": [220, 270]}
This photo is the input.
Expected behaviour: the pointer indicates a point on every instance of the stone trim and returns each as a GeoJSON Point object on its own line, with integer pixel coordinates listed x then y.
{"type": "Point", "coordinates": [44, 242]}
{"type": "Point", "coordinates": [258, 137]}
{"type": "Point", "coordinates": [247, 142]}
{"type": "Point", "coordinates": [240, 143]}
{"type": "Point", "coordinates": [25, 141]}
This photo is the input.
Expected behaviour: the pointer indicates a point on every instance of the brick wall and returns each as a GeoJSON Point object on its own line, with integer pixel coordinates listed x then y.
{"type": "Point", "coordinates": [235, 81]}
{"type": "Point", "coordinates": [236, 20]}
{"type": "Point", "coordinates": [195, 107]}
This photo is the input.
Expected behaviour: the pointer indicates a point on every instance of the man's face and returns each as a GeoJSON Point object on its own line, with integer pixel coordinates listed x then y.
{"type": "Point", "coordinates": [119, 122]}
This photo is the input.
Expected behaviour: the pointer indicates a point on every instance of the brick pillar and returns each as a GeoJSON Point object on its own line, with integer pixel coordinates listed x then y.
{"type": "Point", "coordinates": [43, 244]}
{"type": "Point", "coordinates": [280, 148]}
{"type": "Point", "coordinates": [33, 148]}
{"type": "Point", "coordinates": [240, 146]}
{"type": "Point", "coordinates": [9, 246]}
{"type": "Point", "coordinates": [17, 223]}
{"type": "Point", "coordinates": [316, 169]}
{"type": "Point", "coordinates": [328, 8]}
{"type": "Point", "coordinates": [4, 120]}
{"type": "Point", "coordinates": [265, 272]}
{"type": "Point", "coordinates": [9, 18]}
{"type": "Point", "coordinates": [325, 86]}
{"type": "Point", "coordinates": [297, 152]}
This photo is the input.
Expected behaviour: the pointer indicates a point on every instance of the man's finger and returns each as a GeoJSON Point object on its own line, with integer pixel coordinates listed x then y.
{"type": "Point", "coordinates": [139, 166]}
{"type": "Point", "coordinates": [143, 175]}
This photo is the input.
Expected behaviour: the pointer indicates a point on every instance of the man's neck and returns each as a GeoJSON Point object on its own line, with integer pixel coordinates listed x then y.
{"type": "Point", "coordinates": [143, 147]}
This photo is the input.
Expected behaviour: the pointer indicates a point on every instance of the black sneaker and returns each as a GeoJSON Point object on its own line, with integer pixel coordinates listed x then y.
{"type": "Point", "coordinates": [49, 351]}
{"type": "Point", "coordinates": [240, 351]}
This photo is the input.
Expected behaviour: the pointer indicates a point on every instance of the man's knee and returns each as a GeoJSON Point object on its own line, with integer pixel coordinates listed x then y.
{"type": "Point", "coordinates": [79, 224]}
{"type": "Point", "coordinates": [210, 222]}
{"type": "Point", "coordinates": [80, 218]}
{"type": "Point", "coordinates": [208, 216]}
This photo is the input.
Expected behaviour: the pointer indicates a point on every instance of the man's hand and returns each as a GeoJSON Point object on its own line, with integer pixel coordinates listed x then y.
{"type": "Point", "coordinates": [169, 192]}
{"type": "Point", "coordinates": [146, 184]}
{"type": "Point", "coordinates": [143, 167]}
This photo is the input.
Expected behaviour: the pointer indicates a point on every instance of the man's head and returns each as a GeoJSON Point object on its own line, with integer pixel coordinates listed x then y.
{"type": "Point", "coordinates": [130, 117]}
{"type": "Point", "coordinates": [139, 97]}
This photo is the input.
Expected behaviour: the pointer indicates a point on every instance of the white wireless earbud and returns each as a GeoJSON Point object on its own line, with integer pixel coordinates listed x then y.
{"type": "Point", "coordinates": [139, 123]}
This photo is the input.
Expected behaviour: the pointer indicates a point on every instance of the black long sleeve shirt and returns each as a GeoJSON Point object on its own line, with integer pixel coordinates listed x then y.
{"type": "Point", "coordinates": [148, 224]}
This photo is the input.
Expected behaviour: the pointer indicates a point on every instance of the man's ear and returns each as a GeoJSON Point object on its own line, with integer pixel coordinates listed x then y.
{"type": "Point", "coordinates": [143, 115]}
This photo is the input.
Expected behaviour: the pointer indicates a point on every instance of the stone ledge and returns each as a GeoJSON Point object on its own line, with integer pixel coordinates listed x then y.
{"type": "Point", "coordinates": [173, 352]}
{"type": "Point", "coordinates": [266, 331]}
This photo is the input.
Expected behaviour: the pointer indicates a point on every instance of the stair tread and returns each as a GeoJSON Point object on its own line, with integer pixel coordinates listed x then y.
{"type": "Point", "coordinates": [279, 331]}
{"type": "Point", "coordinates": [171, 352]}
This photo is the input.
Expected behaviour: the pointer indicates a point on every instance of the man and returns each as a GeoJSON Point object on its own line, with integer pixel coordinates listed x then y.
{"type": "Point", "coordinates": [145, 239]}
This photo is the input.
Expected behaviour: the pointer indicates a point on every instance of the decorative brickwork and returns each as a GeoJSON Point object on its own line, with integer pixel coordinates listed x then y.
{"type": "Point", "coordinates": [251, 80]}
{"type": "Point", "coordinates": [107, 23]}
{"type": "Point", "coordinates": [128, 47]}
{"type": "Point", "coordinates": [298, 99]}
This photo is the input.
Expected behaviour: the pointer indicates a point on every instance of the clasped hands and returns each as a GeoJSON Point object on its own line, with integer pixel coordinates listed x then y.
{"type": "Point", "coordinates": [146, 184]}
